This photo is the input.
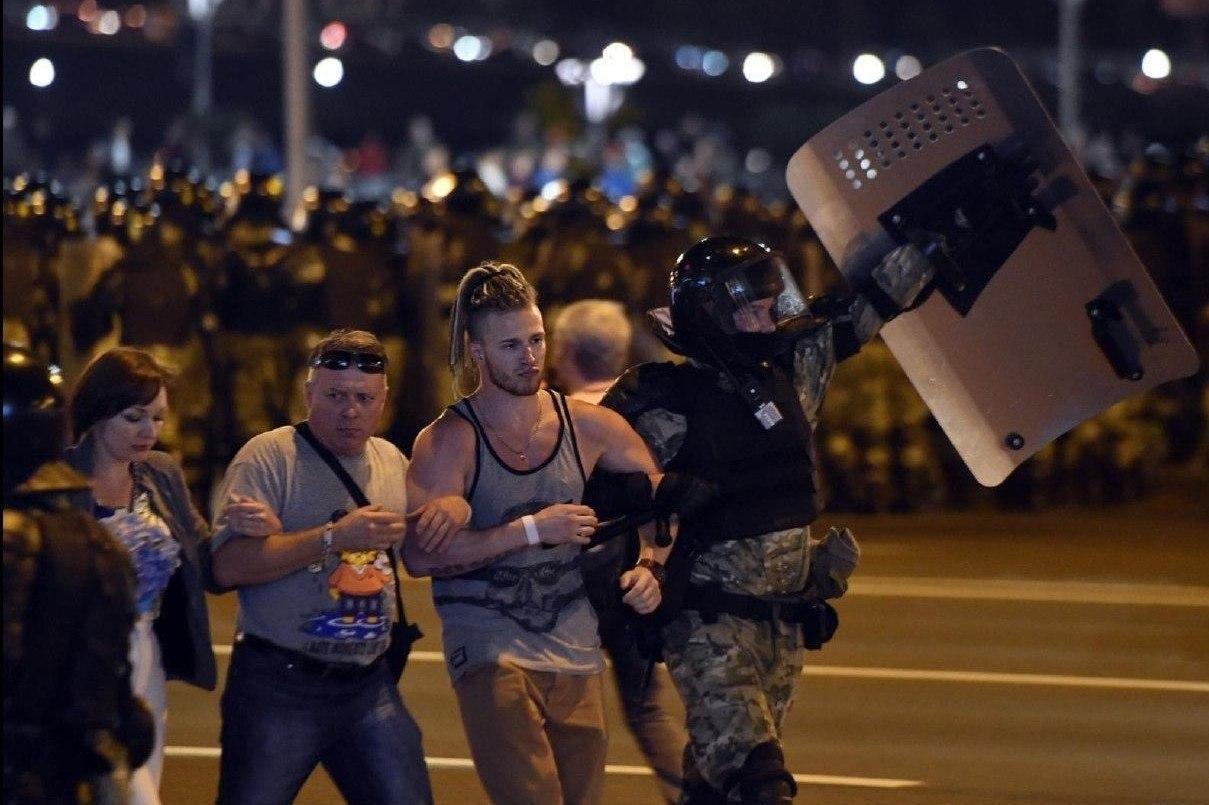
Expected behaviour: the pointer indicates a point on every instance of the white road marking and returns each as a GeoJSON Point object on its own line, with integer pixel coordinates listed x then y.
{"type": "Point", "coordinates": [1058, 592]}
{"type": "Point", "coordinates": [991, 678]}
{"type": "Point", "coordinates": [629, 771]}
{"type": "Point", "coordinates": [937, 675]}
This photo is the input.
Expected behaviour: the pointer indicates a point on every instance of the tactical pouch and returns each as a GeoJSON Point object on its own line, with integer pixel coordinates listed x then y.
{"type": "Point", "coordinates": [819, 621]}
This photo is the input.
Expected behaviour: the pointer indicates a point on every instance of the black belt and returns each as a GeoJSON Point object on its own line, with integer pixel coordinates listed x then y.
{"type": "Point", "coordinates": [818, 618]}
{"type": "Point", "coordinates": [710, 600]}
{"type": "Point", "coordinates": [298, 661]}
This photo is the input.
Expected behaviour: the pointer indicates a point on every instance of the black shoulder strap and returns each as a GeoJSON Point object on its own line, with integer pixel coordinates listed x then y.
{"type": "Point", "coordinates": [358, 496]}
{"type": "Point", "coordinates": [564, 408]}
{"type": "Point", "coordinates": [333, 463]}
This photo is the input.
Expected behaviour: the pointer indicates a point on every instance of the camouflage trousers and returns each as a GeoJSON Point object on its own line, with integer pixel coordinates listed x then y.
{"type": "Point", "coordinates": [736, 677]}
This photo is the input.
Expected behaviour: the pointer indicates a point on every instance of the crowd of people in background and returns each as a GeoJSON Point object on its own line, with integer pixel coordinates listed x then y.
{"type": "Point", "coordinates": [212, 276]}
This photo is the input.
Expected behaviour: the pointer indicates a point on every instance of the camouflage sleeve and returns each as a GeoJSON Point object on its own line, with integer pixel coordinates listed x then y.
{"type": "Point", "coordinates": [647, 396]}
{"type": "Point", "coordinates": [813, 366]}
{"type": "Point", "coordinates": [903, 274]}
{"type": "Point", "coordinates": [852, 323]}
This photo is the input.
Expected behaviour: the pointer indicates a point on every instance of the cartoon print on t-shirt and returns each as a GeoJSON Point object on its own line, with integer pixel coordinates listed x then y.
{"type": "Point", "coordinates": [356, 586]}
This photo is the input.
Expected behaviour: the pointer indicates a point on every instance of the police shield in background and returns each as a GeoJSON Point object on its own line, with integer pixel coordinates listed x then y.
{"type": "Point", "coordinates": [746, 583]}
{"type": "Point", "coordinates": [72, 729]}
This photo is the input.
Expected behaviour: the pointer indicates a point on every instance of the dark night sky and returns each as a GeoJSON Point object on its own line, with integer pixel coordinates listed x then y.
{"type": "Point", "coordinates": [102, 77]}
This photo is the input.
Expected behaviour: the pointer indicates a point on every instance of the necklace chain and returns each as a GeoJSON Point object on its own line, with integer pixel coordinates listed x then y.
{"type": "Point", "coordinates": [532, 431]}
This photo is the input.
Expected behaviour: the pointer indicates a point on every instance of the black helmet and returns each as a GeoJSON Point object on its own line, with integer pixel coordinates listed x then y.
{"type": "Point", "coordinates": [35, 418]}
{"type": "Point", "coordinates": [259, 198]}
{"type": "Point", "coordinates": [730, 296]}
{"type": "Point", "coordinates": [323, 207]}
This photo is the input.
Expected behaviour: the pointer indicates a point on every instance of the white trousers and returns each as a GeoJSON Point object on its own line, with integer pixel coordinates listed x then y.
{"type": "Point", "coordinates": [147, 681]}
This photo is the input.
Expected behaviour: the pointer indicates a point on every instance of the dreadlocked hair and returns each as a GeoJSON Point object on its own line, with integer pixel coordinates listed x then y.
{"type": "Point", "coordinates": [487, 288]}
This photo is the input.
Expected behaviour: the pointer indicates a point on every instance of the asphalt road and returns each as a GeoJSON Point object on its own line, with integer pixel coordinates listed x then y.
{"type": "Point", "coordinates": [1060, 657]}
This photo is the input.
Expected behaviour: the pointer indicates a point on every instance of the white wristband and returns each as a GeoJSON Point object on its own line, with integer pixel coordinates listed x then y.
{"type": "Point", "coordinates": [531, 535]}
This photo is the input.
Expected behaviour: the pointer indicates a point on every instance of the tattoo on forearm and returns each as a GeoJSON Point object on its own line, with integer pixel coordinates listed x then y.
{"type": "Point", "coordinates": [466, 567]}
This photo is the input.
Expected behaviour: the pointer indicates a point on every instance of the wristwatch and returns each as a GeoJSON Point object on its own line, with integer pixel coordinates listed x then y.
{"type": "Point", "coordinates": [317, 566]}
{"type": "Point", "coordinates": [650, 564]}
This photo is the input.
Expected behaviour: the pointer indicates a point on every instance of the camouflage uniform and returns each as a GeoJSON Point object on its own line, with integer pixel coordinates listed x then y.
{"type": "Point", "coordinates": [736, 674]}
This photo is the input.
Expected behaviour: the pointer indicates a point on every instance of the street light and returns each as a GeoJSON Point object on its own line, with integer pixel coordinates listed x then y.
{"type": "Point", "coordinates": [1156, 64]}
{"type": "Point", "coordinates": [329, 72]}
{"type": "Point", "coordinates": [868, 69]}
{"type": "Point", "coordinates": [758, 67]}
{"type": "Point", "coordinates": [42, 73]}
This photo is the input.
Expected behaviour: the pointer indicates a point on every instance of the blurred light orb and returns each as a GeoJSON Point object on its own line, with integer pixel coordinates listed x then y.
{"type": "Point", "coordinates": [1156, 64]}
{"type": "Point", "coordinates": [618, 50]}
{"type": "Point", "coordinates": [571, 72]}
{"type": "Point", "coordinates": [554, 188]}
{"type": "Point", "coordinates": [868, 69]}
{"type": "Point", "coordinates": [758, 160]}
{"type": "Point", "coordinates": [688, 57]}
{"type": "Point", "coordinates": [42, 73]}
{"type": "Point", "coordinates": [441, 36]}
{"type": "Point", "coordinates": [758, 67]}
{"type": "Point", "coordinates": [545, 52]}
{"type": "Point", "coordinates": [907, 67]}
{"type": "Point", "coordinates": [329, 72]}
{"type": "Point", "coordinates": [471, 48]}
{"type": "Point", "coordinates": [609, 72]}
{"type": "Point", "coordinates": [42, 18]}
{"type": "Point", "coordinates": [109, 23]}
{"type": "Point", "coordinates": [136, 16]}
{"type": "Point", "coordinates": [333, 35]}
{"type": "Point", "coordinates": [714, 63]}
{"type": "Point", "coordinates": [616, 66]}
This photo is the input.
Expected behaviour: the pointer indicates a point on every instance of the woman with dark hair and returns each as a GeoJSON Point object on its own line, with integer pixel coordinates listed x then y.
{"type": "Point", "coordinates": [117, 411]}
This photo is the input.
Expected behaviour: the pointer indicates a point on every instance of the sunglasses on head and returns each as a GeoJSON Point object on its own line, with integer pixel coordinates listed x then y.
{"type": "Point", "coordinates": [367, 362]}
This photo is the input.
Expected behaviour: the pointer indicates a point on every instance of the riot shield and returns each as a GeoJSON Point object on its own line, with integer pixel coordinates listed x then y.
{"type": "Point", "coordinates": [1041, 315]}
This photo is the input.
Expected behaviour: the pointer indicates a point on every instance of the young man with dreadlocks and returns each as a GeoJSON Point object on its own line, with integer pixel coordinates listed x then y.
{"type": "Point", "coordinates": [520, 635]}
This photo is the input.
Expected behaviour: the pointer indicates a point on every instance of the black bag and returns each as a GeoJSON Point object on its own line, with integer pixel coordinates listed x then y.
{"type": "Point", "coordinates": [403, 633]}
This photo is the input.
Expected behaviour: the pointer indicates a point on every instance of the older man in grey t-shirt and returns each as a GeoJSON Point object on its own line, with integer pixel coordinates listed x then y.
{"type": "Point", "coordinates": [307, 683]}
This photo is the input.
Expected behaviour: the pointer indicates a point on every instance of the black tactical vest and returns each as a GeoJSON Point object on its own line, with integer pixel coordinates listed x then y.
{"type": "Point", "coordinates": [766, 477]}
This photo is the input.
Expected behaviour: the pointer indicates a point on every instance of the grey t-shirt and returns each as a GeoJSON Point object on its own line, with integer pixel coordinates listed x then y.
{"type": "Point", "coordinates": [343, 612]}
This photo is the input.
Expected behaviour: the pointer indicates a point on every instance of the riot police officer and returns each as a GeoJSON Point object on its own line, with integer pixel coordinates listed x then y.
{"type": "Point", "coordinates": [745, 587]}
{"type": "Point", "coordinates": [72, 728]}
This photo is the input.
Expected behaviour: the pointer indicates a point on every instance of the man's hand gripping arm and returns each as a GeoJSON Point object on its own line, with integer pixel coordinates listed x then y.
{"type": "Point", "coordinates": [438, 541]}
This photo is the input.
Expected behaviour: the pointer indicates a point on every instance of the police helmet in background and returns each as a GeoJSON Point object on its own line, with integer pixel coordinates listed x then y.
{"type": "Point", "coordinates": [132, 220]}
{"type": "Point", "coordinates": [35, 417]}
{"type": "Point", "coordinates": [37, 208]}
{"type": "Point", "coordinates": [366, 221]}
{"type": "Point", "coordinates": [259, 199]}
{"type": "Point", "coordinates": [117, 191]}
{"type": "Point", "coordinates": [719, 285]}
{"type": "Point", "coordinates": [322, 207]}
{"type": "Point", "coordinates": [470, 196]}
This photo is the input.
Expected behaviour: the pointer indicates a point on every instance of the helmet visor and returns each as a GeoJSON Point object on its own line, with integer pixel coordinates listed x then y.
{"type": "Point", "coordinates": [754, 298]}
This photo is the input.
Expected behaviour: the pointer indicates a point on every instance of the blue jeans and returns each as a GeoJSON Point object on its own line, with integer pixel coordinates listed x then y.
{"type": "Point", "coordinates": [279, 721]}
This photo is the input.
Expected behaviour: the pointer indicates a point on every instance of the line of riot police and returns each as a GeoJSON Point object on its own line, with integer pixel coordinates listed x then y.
{"type": "Point", "coordinates": [212, 279]}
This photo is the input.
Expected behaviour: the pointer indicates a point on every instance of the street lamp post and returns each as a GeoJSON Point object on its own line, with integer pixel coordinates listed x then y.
{"type": "Point", "coordinates": [202, 12]}
{"type": "Point", "coordinates": [1069, 57]}
{"type": "Point", "coordinates": [297, 99]}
